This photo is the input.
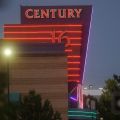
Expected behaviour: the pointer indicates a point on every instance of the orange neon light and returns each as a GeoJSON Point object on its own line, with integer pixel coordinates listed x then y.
{"type": "Point", "coordinates": [74, 56]}
{"type": "Point", "coordinates": [42, 39]}
{"type": "Point", "coordinates": [23, 26]}
{"type": "Point", "coordinates": [68, 50]}
{"type": "Point", "coordinates": [74, 81]}
{"type": "Point", "coordinates": [75, 38]}
{"type": "Point", "coordinates": [30, 32]}
{"type": "Point", "coordinates": [73, 75]}
{"type": "Point", "coordinates": [73, 62]}
{"type": "Point", "coordinates": [73, 69]}
{"type": "Point", "coordinates": [38, 38]}
{"type": "Point", "coordinates": [74, 44]}
{"type": "Point", "coordinates": [36, 32]}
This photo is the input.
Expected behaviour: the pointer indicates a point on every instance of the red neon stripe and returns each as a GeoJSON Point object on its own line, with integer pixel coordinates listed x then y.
{"type": "Point", "coordinates": [73, 62]}
{"type": "Point", "coordinates": [74, 81]}
{"type": "Point", "coordinates": [36, 32]}
{"type": "Point", "coordinates": [30, 32]}
{"type": "Point", "coordinates": [63, 25]}
{"type": "Point", "coordinates": [68, 50]}
{"type": "Point", "coordinates": [27, 38]}
{"type": "Point", "coordinates": [73, 69]}
{"type": "Point", "coordinates": [74, 44]}
{"type": "Point", "coordinates": [74, 56]}
{"type": "Point", "coordinates": [73, 75]}
{"type": "Point", "coordinates": [75, 38]}
{"type": "Point", "coordinates": [42, 38]}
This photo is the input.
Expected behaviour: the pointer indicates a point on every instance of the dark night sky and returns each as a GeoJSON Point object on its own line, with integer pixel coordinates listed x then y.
{"type": "Point", "coordinates": [103, 57]}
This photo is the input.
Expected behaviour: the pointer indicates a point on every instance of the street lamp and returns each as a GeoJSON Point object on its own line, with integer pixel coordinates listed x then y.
{"type": "Point", "coordinates": [7, 52]}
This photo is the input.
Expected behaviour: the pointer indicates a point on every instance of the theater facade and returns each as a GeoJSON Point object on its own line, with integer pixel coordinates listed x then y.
{"type": "Point", "coordinates": [50, 53]}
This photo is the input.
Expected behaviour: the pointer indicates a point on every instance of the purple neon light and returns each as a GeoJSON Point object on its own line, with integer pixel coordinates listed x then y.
{"type": "Point", "coordinates": [72, 98]}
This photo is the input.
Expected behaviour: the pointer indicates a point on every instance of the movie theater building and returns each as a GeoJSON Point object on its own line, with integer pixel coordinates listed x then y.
{"type": "Point", "coordinates": [50, 46]}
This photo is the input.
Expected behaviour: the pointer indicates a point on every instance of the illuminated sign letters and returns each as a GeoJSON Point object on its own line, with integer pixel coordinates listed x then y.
{"type": "Point", "coordinates": [52, 13]}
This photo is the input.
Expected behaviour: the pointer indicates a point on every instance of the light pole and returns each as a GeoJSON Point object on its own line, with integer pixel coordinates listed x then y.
{"type": "Point", "coordinates": [7, 53]}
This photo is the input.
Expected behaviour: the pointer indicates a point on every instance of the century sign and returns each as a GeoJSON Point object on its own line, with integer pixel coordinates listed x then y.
{"type": "Point", "coordinates": [55, 14]}
{"type": "Point", "coordinates": [52, 13]}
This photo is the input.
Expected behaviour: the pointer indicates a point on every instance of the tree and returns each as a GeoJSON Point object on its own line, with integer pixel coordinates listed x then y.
{"type": "Point", "coordinates": [32, 107]}
{"type": "Point", "coordinates": [111, 85]}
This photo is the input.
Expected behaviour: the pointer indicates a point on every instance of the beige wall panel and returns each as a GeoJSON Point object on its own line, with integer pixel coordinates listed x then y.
{"type": "Point", "coordinates": [47, 75]}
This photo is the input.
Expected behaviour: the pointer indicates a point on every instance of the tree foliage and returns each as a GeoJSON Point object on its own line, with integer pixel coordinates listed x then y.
{"type": "Point", "coordinates": [32, 107]}
{"type": "Point", "coordinates": [111, 85]}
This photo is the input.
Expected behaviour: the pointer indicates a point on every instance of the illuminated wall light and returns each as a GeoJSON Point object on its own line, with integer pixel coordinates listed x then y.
{"type": "Point", "coordinates": [73, 56]}
{"type": "Point", "coordinates": [79, 111]}
{"type": "Point", "coordinates": [77, 81]}
{"type": "Point", "coordinates": [82, 113]}
{"type": "Point", "coordinates": [68, 50]}
{"type": "Point", "coordinates": [73, 69]}
{"type": "Point", "coordinates": [73, 62]}
{"type": "Point", "coordinates": [29, 26]}
{"type": "Point", "coordinates": [75, 31]}
{"type": "Point", "coordinates": [73, 44]}
{"type": "Point", "coordinates": [75, 38]}
{"type": "Point", "coordinates": [42, 38]}
{"type": "Point", "coordinates": [73, 98]}
{"type": "Point", "coordinates": [73, 75]}
{"type": "Point", "coordinates": [82, 116]}
{"type": "Point", "coordinates": [30, 32]}
{"type": "Point", "coordinates": [28, 38]}
{"type": "Point", "coordinates": [36, 32]}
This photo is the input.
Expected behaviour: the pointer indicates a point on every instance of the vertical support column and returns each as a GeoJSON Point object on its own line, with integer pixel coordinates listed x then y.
{"type": "Point", "coordinates": [80, 96]}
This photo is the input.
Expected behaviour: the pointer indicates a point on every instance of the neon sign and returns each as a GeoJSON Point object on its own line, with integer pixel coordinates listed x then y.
{"type": "Point", "coordinates": [70, 34]}
{"type": "Point", "coordinates": [52, 13]}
